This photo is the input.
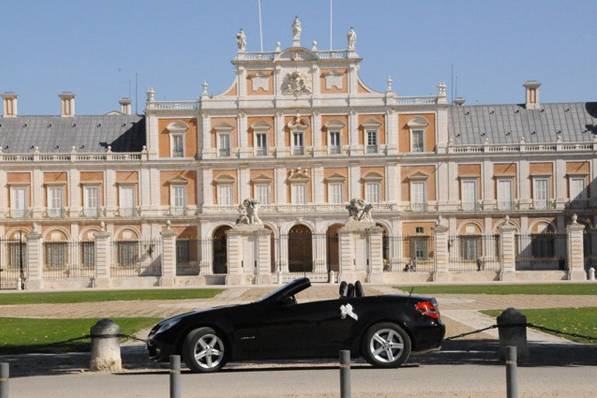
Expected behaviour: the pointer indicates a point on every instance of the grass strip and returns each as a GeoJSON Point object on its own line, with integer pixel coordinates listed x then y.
{"type": "Point", "coordinates": [107, 295]}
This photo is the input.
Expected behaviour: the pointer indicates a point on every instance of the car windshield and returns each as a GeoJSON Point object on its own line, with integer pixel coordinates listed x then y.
{"type": "Point", "coordinates": [291, 287]}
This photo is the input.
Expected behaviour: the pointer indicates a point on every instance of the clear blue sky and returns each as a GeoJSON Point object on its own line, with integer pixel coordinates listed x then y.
{"type": "Point", "coordinates": [95, 47]}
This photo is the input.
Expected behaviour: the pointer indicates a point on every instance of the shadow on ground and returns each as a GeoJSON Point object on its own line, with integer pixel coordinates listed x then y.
{"type": "Point", "coordinates": [457, 352]}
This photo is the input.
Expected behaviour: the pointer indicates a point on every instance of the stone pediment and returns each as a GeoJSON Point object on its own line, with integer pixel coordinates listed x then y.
{"type": "Point", "coordinates": [418, 176]}
{"type": "Point", "coordinates": [297, 54]}
{"type": "Point", "coordinates": [336, 178]}
{"type": "Point", "coordinates": [178, 180]}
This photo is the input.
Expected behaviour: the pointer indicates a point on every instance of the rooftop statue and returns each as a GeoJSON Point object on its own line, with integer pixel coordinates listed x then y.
{"type": "Point", "coordinates": [359, 210]}
{"type": "Point", "coordinates": [352, 39]}
{"type": "Point", "coordinates": [241, 40]}
{"type": "Point", "coordinates": [296, 30]}
{"type": "Point", "coordinates": [248, 213]}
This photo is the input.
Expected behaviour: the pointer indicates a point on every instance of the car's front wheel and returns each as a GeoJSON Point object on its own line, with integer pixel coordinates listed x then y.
{"type": "Point", "coordinates": [386, 345]}
{"type": "Point", "coordinates": [204, 350]}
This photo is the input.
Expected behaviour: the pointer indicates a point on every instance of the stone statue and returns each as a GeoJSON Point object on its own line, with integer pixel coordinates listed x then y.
{"type": "Point", "coordinates": [352, 39]}
{"type": "Point", "coordinates": [241, 41]}
{"type": "Point", "coordinates": [296, 30]}
{"type": "Point", "coordinates": [248, 212]}
{"type": "Point", "coordinates": [359, 210]}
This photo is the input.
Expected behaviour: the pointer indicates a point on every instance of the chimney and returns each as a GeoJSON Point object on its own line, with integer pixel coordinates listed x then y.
{"type": "Point", "coordinates": [67, 104]}
{"type": "Point", "coordinates": [531, 88]}
{"type": "Point", "coordinates": [125, 106]}
{"type": "Point", "coordinates": [459, 101]}
{"type": "Point", "coordinates": [9, 104]}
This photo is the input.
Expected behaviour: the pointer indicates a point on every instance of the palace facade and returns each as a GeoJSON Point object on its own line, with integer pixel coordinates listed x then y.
{"type": "Point", "coordinates": [88, 197]}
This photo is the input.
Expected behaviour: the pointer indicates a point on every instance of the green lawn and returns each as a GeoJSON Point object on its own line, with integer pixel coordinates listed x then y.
{"type": "Point", "coordinates": [110, 295]}
{"type": "Point", "coordinates": [572, 320]}
{"type": "Point", "coordinates": [23, 335]}
{"type": "Point", "coordinates": [560, 288]}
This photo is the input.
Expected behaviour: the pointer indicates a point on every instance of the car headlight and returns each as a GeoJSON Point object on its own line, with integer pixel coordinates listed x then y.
{"type": "Point", "coordinates": [167, 325]}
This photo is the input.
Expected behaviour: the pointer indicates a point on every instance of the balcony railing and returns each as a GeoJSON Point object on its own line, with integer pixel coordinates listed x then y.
{"type": "Point", "coordinates": [507, 205]}
{"type": "Point", "coordinates": [298, 150]}
{"type": "Point", "coordinates": [224, 152]}
{"type": "Point", "coordinates": [261, 151]}
{"type": "Point", "coordinates": [418, 207]}
{"type": "Point", "coordinates": [470, 206]}
{"type": "Point", "coordinates": [544, 204]}
{"type": "Point", "coordinates": [177, 211]}
{"type": "Point", "coordinates": [91, 212]}
{"type": "Point", "coordinates": [128, 212]}
{"type": "Point", "coordinates": [20, 213]}
{"type": "Point", "coordinates": [372, 149]}
{"type": "Point", "coordinates": [579, 204]}
{"type": "Point", "coordinates": [335, 149]}
{"type": "Point", "coordinates": [55, 212]}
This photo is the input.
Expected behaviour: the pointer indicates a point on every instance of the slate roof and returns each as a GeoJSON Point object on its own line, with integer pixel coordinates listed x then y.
{"type": "Point", "coordinates": [507, 124]}
{"type": "Point", "coordinates": [124, 133]}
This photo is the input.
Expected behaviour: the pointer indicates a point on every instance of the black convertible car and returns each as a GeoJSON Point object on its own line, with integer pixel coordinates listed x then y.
{"type": "Point", "coordinates": [382, 329]}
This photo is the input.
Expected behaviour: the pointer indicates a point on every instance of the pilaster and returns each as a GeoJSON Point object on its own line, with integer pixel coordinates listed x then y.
{"type": "Point", "coordinates": [34, 280]}
{"type": "Point", "coordinates": [354, 174]}
{"type": "Point", "coordinates": [440, 241]}
{"type": "Point", "coordinates": [507, 250]}
{"type": "Point", "coordinates": [74, 191]}
{"type": "Point", "coordinates": [243, 136]}
{"type": "Point", "coordinates": [168, 238]}
{"type": "Point", "coordinates": [375, 255]}
{"type": "Point", "coordinates": [392, 131]}
{"type": "Point", "coordinates": [575, 250]}
{"type": "Point", "coordinates": [38, 192]}
{"type": "Point", "coordinates": [103, 258]}
{"type": "Point", "coordinates": [281, 191]}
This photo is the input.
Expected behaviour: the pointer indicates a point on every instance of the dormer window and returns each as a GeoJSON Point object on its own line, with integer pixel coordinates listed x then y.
{"type": "Point", "coordinates": [417, 127]}
{"type": "Point", "coordinates": [177, 132]}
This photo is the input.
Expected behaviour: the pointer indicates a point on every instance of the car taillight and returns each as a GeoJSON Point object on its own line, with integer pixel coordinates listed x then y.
{"type": "Point", "coordinates": [427, 308]}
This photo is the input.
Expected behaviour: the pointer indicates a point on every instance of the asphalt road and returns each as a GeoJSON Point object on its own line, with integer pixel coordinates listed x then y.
{"type": "Point", "coordinates": [320, 380]}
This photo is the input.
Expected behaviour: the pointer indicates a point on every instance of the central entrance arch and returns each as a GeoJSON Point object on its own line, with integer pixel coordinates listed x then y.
{"type": "Point", "coordinates": [220, 253]}
{"type": "Point", "coordinates": [300, 249]}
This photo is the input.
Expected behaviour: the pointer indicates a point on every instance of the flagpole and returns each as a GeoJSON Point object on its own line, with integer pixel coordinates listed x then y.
{"type": "Point", "coordinates": [331, 24]}
{"type": "Point", "coordinates": [260, 26]}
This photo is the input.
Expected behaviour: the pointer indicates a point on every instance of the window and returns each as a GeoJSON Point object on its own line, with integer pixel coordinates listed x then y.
{"type": "Point", "coordinates": [88, 254]}
{"type": "Point", "coordinates": [261, 144]}
{"type": "Point", "coordinates": [417, 137]}
{"type": "Point", "coordinates": [55, 255]}
{"type": "Point", "coordinates": [298, 147]}
{"type": "Point", "coordinates": [299, 194]}
{"type": "Point", "coordinates": [470, 248]}
{"type": "Point", "coordinates": [90, 201]}
{"type": "Point", "coordinates": [127, 200]}
{"type": "Point", "coordinates": [128, 253]}
{"type": "Point", "coordinates": [335, 142]}
{"type": "Point", "coordinates": [417, 195]}
{"type": "Point", "coordinates": [504, 193]}
{"type": "Point", "coordinates": [224, 145]}
{"type": "Point", "coordinates": [469, 194]}
{"type": "Point", "coordinates": [371, 141]}
{"type": "Point", "coordinates": [335, 192]}
{"type": "Point", "coordinates": [18, 201]}
{"type": "Point", "coordinates": [177, 145]}
{"type": "Point", "coordinates": [55, 200]}
{"type": "Point", "coordinates": [225, 194]}
{"type": "Point", "coordinates": [419, 230]}
{"type": "Point", "coordinates": [262, 193]}
{"type": "Point", "coordinates": [542, 245]}
{"type": "Point", "coordinates": [540, 193]}
{"type": "Point", "coordinates": [372, 192]}
{"type": "Point", "coordinates": [419, 248]}
{"type": "Point", "coordinates": [17, 254]}
{"type": "Point", "coordinates": [577, 188]}
{"type": "Point", "coordinates": [178, 199]}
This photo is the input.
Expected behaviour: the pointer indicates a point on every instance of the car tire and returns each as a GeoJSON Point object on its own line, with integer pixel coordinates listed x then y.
{"type": "Point", "coordinates": [204, 350]}
{"type": "Point", "coordinates": [386, 345]}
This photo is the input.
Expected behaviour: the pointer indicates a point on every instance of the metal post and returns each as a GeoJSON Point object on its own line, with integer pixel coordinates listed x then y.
{"type": "Point", "coordinates": [511, 380]}
{"type": "Point", "coordinates": [174, 376]}
{"type": "Point", "coordinates": [345, 374]}
{"type": "Point", "coordinates": [4, 380]}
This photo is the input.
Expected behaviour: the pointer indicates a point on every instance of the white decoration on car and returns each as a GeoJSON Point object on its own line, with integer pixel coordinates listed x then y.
{"type": "Point", "coordinates": [345, 310]}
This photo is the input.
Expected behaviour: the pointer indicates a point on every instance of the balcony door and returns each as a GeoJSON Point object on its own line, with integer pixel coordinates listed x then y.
{"type": "Point", "coordinates": [504, 193]}
{"type": "Point", "coordinates": [127, 200]}
{"type": "Point", "coordinates": [18, 201]}
{"type": "Point", "coordinates": [469, 194]}
{"type": "Point", "coordinates": [540, 193]}
{"type": "Point", "coordinates": [417, 195]}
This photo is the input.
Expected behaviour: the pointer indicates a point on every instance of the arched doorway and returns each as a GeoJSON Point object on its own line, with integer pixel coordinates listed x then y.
{"type": "Point", "coordinates": [300, 249]}
{"type": "Point", "coordinates": [385, 247]}
{"type": "Point", "coordinates": [332, 248]}
{"type": "Point", "coordinates": [220, 254]}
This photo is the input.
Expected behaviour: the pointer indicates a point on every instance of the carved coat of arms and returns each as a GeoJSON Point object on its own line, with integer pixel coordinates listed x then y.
{"type": "Point", "coordinates": [296, 84]}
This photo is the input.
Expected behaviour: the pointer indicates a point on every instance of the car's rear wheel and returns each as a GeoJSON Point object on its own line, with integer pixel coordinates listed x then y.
{"type": "Point", "coordinates": [386, 345]}
{"type": "Point", "coordinates": [203, 350]}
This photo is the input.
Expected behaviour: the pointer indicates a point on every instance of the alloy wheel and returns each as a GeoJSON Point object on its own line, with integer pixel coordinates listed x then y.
{"type": "Point", "coordinates": [209, 351]}
{"type": "Point", "coordinates": [386, 345]}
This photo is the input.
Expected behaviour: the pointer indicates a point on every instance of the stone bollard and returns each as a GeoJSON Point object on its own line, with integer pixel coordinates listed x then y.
{"type": "Point", "coordinates": [105, 346]}
{"type": "Point", "coordinates": [591, 274]}
{"type": "Point", "coordinates": [513, 332]}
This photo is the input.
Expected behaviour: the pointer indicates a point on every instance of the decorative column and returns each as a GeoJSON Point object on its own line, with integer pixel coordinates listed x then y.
{"type": "Point", "coordinates": [281, 191]}
{"type": "Point", "coordinates": [575, 250]}
{"type": "Point", "coordinates": [440, 240]}
{"type": "Point", "coordinates": [507, 250]}
{"type": "Point", "coordinates": [205, 267]}
{"type": "Point", "coordinates": [560, 184]}
{"type": "Point", "coordinates": [38, 193]}
{"type": "Point", "coordinates": [206, 149]}
{"type": "Point", "coordinates": [318, 149]}
{"type": "Point", "coordinates": [74, 192]}
{"type": "Point", "coordinates": [168, 236]}
{"type": "Point", "coordinates": [243, 136]}
{"type": "Point", "coordinates": [103, 257]}
{"type": "Point", "coordinates": [281, 149]}
{"type": "Point", "coordinates": [34, 279]}
{"type": "Point", "coordinates": [375, 255]}
{"type": "Point", "coordinates": [391, 132]}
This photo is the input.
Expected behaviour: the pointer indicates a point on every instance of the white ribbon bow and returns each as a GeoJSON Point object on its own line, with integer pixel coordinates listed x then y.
{"type": "Point", "coordinates": [345, 310]}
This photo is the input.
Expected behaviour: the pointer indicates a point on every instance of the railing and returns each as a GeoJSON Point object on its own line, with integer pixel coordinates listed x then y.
{"type": "Point", "coordinates": [256, 56]}
{"type": "Point", "coordinates": [177, 210]}
{"type": "Point", "coordinates": [72, 157]}
{"type": "Point", "coordinates": [335, 149]}
{"type": "Point", "coordinates": [579, 204]}
{"type": "Point", "coordinates": [69, 259]}
{"type": "Point", "coordinates": [136, 258]}
{"type": "Point", "coordinates": [187, 255]}
{"type": "Point", "coordinates": [545, 204]}
{"type": "Point", "coordinates": [372, 149]}
{"type": "Point", "coordinates": [260, 151]}
{"type": "Point", "coordinates": [520, 147]}
{"type": "Point", "coordinates": [419, 100]}
{"type": "Point", "coordinates": [298, 150]}
{"type": "Point", "coordinates": [333, 54]}
{"type": "Point", "coordinates": [224, 152]}
{"type": "Point", "coordinates": [13, 263]}
{"type": "Point", "coordinates": [173, 105]}
{"type": "Point", "coordinates": [55, 213]}
{"type": "Point", "coordinates": [128, 212]}
{"type": "Point", "coordinates": [473, 253]}
{"type": "Point", "coordinates": [91, 212]}
{"type": "Point", "coordinates": [470, 206]}
{"type": "Point", "coordinates": [544, 251]}
{"type": "Point", "coordinates": [507, 205]}
{"type": "Point", "coordinates": [20, 213]}
{"type": "Point", "coordinates": [293, 208]}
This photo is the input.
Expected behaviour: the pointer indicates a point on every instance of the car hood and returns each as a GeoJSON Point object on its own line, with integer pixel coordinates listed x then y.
{"type": "Point", "coordinates": [196, 312]}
